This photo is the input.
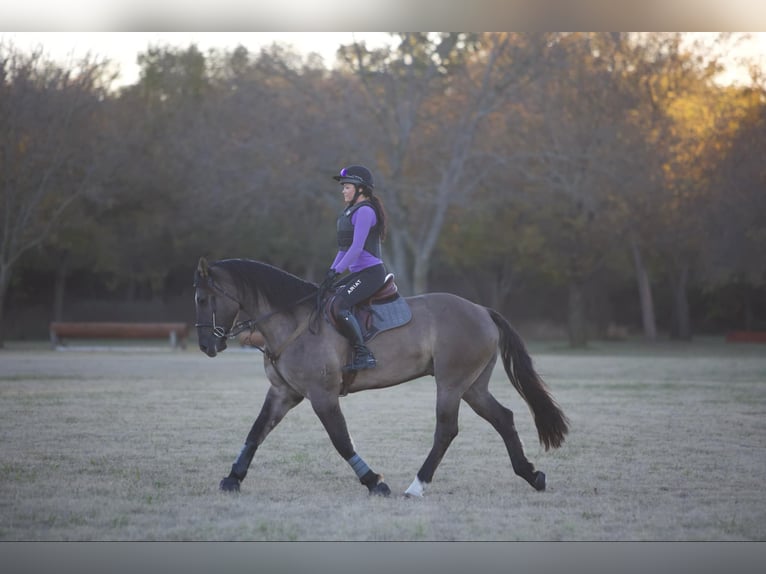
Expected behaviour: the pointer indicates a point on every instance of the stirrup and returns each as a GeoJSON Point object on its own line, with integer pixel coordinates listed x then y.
{"type": "Point", "coordinates": [362, 359]}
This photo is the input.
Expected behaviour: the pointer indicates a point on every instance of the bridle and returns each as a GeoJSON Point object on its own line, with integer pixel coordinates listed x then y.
{"type": "Point", "coordinates": [221, 332]}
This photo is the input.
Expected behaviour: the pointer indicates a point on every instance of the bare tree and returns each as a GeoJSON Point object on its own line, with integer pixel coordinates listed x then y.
{"type": "Point", "coordinates": [48, 142]}
{"type": "Point", "coordinates": [431, 98]}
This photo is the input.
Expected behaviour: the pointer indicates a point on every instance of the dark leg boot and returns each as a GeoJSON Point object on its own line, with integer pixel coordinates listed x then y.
{"type": "Point", "coordinates": [362, 357]}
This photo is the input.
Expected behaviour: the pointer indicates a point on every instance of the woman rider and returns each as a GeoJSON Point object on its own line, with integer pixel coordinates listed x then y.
{"type": "Point", "coordinates": [361, 228]}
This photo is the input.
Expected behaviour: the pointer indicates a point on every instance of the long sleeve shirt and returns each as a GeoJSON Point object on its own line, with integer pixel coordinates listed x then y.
{"type": "Point", "coordinates": [356, 258]}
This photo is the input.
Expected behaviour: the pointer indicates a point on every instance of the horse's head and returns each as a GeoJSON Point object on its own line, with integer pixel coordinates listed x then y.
{"type": "Point", "coordinates": [216, 308]}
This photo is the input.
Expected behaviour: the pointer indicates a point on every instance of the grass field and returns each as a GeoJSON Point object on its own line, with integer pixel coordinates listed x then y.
{"type": "Point", "coordinates": [667, 443]}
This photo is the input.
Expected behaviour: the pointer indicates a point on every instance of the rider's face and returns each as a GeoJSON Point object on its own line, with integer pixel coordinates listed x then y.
{"type": "Point", "coordinates": [348, 191]}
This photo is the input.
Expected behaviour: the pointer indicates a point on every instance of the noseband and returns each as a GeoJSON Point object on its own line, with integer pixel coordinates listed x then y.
{"type": "Point", "coordinates": [219, 331]}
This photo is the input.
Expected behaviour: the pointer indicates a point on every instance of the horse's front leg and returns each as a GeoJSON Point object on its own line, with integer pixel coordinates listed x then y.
{"type": "Point", "coordinates": [279, 400]}
{"type": "Point", "coordinates": [327, 408]}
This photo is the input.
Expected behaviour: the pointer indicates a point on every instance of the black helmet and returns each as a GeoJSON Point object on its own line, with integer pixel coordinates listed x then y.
{"type": "Point", "coordinates": [356, 174]}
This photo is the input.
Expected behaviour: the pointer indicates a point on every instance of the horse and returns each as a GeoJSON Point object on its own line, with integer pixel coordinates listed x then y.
{"type": "Point", "coordinates": [448, 337]}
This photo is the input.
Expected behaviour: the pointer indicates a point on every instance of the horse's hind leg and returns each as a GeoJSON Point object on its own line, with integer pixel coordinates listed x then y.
{"type": "Point", "coordinates": [447, 407]}
{"type": "Point", "coordinates": [501, 418]}
{"type": "Point", "coordinates": [327, 408]}
{"type": "Point", "coordinates": [279, 400]}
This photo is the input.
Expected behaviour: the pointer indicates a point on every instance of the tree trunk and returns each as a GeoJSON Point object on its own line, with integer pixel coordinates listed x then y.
{"type": "Point", "coordinates": [747, 310]}
{"type": "Point", "coordinates": [502, 286]}
{"type": "Point", "coordinates": [5, 281]}
{"type": "Point", "coordinates": [59, 290]}
{"type": "Point", "coordinates": [420, 274]}
{"type": "Point", "coordinates": [397, 263]}
{"type": "Point", "coordinates": [132, 289]}
{"type": "Point", "coordinates": [577, 327]}
{"type": "Point", "coordinates": [648, 319]}
{"type": "Point", "coordinates": [681, 325]}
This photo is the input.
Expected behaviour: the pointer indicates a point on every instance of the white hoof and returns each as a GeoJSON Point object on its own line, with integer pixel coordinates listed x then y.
{"type": "Point", "coordinates": [416, 489]}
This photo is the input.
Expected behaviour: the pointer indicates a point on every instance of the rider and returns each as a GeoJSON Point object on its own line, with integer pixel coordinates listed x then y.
{"type": "Point", "coordinates": [361, 228]}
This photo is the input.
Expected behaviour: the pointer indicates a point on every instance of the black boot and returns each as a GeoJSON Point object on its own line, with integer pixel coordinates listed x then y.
{"type": "Point", "coordinates": [362, 356]}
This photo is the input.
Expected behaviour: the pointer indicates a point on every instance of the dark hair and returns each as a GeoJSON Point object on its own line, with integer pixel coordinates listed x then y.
{"type": "Point", "coordinates": [380, 211]}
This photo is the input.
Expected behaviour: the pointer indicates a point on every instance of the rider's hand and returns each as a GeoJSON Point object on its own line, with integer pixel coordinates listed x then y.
{"type": "Point", "coordinates": [330, 277]}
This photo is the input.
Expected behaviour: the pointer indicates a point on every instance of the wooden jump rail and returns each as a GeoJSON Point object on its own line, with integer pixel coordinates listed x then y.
{"type": "Point", "coordinates": [746, 337]}
{"type": "Point", "coordinates": [175, 332]}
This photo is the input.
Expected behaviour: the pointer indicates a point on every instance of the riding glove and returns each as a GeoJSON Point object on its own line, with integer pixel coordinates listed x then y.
{"type": "Point", "coordinates": [329, 279]}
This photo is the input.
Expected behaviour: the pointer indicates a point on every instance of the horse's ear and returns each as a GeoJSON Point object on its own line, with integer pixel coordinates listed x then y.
{"type": "Point", "coordinates": [202, 268]}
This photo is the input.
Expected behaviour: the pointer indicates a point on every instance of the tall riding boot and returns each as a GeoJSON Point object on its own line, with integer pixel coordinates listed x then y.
{"type": "Point", "coordinates": [362, 357]}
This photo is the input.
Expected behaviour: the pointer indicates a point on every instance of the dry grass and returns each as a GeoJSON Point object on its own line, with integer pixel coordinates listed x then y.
{"type": "Point", "coordinates": [667, 443]}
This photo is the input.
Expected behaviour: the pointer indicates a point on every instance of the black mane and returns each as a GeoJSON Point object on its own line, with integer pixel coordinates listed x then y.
{"type": "Point", "coordinates": [280, 288]}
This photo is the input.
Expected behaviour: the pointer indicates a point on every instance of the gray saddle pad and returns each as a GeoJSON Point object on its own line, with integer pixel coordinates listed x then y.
{"type": "Point", "coordinates": [387, 316]}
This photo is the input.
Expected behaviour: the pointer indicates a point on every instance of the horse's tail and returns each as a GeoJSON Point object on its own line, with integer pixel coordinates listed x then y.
{"type": "Point", "coordinates": [552, 425]}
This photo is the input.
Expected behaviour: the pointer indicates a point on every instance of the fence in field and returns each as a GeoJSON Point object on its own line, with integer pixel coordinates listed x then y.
{"type": "Point", "coordinates": [176, 333]}
{"type": "Point", "coordinates": [746, 337]}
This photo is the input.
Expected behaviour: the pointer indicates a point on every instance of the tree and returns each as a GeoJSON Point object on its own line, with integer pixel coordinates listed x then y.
{"type": "Point", "coordinates": [266, 130]}
{"type": "Point", "coordinates": [685, 132]}
{"type": "Point", "coordinates": [49, 148]}
{"type": "Point", "coordinates": [578, 154]}
{"type": "Point", "coordinates": [431, 97]}
{"type": "Point", "coordinates": [736, 219]}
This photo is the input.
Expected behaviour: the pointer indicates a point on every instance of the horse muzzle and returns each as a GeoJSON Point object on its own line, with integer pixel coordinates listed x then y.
{"type": "Point", "coordinates": [211, 345]}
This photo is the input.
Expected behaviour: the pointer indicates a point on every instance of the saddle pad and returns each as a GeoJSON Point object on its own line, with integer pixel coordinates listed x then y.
{"type": "Point", "coordinates": [386, 316]}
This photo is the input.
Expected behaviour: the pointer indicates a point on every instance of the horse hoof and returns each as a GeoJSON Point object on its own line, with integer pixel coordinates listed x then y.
{"type": "Point", "coordinates": [380, 489]}
{"type": "Point", "coordinates": [539, 480]}
{"type": "Point", "coordinates": [229, 484]}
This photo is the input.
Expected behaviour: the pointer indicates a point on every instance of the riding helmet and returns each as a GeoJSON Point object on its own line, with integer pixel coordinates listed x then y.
{"type": "Point", "coordinates": [356, 174]}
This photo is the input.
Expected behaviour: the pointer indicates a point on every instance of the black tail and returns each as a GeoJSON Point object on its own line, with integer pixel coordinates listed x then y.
{"type": "Point", "coordinates": [552, 425]}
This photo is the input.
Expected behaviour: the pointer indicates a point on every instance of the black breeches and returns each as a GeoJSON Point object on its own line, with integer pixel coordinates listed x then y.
{"type": "Point", "coordinates": [360, 285]}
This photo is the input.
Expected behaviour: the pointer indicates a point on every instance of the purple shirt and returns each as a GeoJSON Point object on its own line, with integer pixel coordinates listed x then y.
{"type": "Point", "coordinates": [356, 258]}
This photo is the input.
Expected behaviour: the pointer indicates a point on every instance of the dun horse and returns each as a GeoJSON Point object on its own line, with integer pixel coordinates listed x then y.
{"type": "Point", "coordinates": [452, 339]}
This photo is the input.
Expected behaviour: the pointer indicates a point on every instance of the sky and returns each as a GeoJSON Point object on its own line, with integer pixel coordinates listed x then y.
{"type": "Point", "coordinates": [410, 15]}
{"type": "Point", "coordinates": [123, 47]}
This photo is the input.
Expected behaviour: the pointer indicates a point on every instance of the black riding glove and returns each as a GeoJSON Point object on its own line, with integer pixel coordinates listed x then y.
{"type": "Point", "coordinates": [326, 285]}
{"type": "Point", "coordinates": [329, 279]}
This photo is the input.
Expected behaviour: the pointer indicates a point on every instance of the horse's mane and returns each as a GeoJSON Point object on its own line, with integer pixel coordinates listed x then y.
{"type": "Point", "coordinates": [280, 288]}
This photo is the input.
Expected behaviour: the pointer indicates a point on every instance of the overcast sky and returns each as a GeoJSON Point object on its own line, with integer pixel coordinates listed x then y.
{"type": "Point", "coordinates": [123, 47]}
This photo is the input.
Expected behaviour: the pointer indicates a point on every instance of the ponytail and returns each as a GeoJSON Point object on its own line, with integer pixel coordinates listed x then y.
{"type": "Point", "coordinates": [380, 211]}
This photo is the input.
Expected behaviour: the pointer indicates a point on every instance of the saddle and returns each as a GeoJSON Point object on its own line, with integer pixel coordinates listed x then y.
{"type": "Point", "coordinates": [365, 311]}
{"type": "Point", "coordinates": [383, 310]}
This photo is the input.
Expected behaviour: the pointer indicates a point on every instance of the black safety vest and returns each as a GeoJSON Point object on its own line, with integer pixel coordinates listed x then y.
{"type": "Point", "coordinates": [346, 230]}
